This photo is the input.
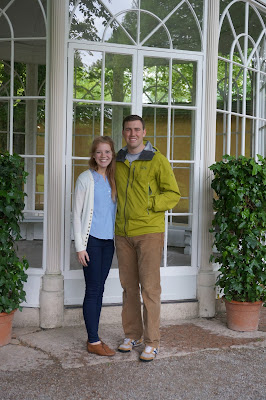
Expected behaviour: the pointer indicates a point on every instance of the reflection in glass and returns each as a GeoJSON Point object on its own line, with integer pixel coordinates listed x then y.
{"type": "Point", "coordinates": [118, 77]}
{"type": "Point", "coordinates": [89, 20]}
{"type": "Point", "coordinates": [155, 81]}
{"type": "Point", "coordinates": [221, 137]}
{"type": "Point", "coordinates": [113, 120]}
{"type": "Point", "coordinates": [184, 82]}
{"type": "Point", "coordinates": [39, 184]}
{"type": "Point", "coordinates": [86, 125]}
{"type": "Point", "coordinates": [184, 29]}
{"type": "Point", "coordinates": [184, 177]}
{"type": "Point", "coordinates": [156, 122]}
{"type": "Point", "coordinates": [87, 75]}
{"type": "Point", "coordinates": [31, 244]}
{"type": "Point", "coordinates": [4, 72]}
{"type": "Point", "coordinates": [118, 22]}
{"type": "Point", "coordinates": [182, 134]}
{"type": "Point", "coordinates": [4, 125]}
{"type": "Point", "coordinates": [121, 30]}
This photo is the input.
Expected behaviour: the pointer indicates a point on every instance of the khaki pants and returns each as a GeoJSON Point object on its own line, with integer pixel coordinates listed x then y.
{"type": "Point", "coordinates": [139, 260]}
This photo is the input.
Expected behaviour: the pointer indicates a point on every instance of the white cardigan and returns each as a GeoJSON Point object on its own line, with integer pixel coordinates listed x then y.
{"type": "Point", "coordinates": [83, 209]}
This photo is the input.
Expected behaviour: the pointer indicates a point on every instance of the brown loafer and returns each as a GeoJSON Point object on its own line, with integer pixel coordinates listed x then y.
{"type": "Point", "coordinates": [99, 349]}
{"type": "Point", "coordinates": [110, 352]}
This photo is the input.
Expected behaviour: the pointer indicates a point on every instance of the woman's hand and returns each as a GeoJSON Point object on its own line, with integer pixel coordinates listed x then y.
{"type": "Point", "coordinates": [83, 257]}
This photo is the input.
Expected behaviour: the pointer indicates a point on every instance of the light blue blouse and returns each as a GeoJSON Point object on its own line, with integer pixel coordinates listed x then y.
{"type": "Point", "coordinates": [104, 209]}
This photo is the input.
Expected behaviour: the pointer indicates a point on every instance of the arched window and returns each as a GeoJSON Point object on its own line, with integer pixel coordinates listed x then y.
{"type": "Point", "coordinates": [241, 92]}
{"type": "Point", "coordinates": [22, 106]}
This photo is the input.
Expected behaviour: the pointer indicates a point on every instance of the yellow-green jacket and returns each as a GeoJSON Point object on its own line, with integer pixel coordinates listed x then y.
{"type": "Point", "coordinates": [145, 190]}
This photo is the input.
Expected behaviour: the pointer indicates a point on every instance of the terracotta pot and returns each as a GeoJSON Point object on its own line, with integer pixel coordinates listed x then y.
{"type": "Point", "coordinates": [6, 327]}
{"type": "Point", "coordinates": [243, 316]}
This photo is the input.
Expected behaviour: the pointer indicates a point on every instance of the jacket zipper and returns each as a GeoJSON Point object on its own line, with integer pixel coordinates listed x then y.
{"type": "Point", "coordinates": [126, 201]}
{"type": "Point", "coordinates": [133, 175]}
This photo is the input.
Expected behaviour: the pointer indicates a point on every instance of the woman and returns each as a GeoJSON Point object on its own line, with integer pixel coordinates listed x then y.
{"type": "Point", "coordinates": [93, 223]}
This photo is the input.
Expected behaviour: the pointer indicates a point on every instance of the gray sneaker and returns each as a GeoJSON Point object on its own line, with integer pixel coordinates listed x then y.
{"type": "Point", "coordinates": [128, 345]}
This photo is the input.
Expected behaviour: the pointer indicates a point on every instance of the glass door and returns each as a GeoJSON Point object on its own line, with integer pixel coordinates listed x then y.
{"type": "Point", "coordinates": [106, 83]}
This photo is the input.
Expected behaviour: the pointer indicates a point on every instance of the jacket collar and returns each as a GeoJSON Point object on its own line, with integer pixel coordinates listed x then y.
{"type": "Point", "coordinates": [146, 154]}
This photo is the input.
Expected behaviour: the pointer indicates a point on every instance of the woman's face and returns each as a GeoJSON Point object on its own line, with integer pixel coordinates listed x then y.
{"type": "Point", "coordinates": [103, 155]}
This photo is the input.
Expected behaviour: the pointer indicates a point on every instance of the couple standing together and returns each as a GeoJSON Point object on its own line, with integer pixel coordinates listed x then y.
{"type": "Point", "coordinates": [130, 192]}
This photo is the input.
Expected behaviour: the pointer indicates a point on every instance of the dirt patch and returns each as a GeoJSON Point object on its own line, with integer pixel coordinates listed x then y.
{"type": "Point", "coordinates": [189, 337]}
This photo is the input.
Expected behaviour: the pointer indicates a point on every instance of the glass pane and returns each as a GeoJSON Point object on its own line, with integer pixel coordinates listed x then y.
{"type": "Point", "coordinates": [5, 69]}
{"type": "Point", "coordinates": [89, 20]}
{"type": "Point", "coordinates": [129, 21]}
{"type": "Point", "coordinates": [29, 126]}
{"type": "Point", "coordinates": [116, 6]}
{"type": "Point", "coordinates": [254, 24]}
{"type": "Point", "coordinates": [5, 31]}
{"type": "Point", "coordinates": [39, 184]}
{"type": "Point", "coordinates": [33, 22]}
{"type": "Point", "coordinates": [118, 77]}
{"type": "Point", "coordinates": [237, 88]}
{"type": "Point", "coordinates": [182, 135]}
{"type": "Point", "coordinates": [184, 177]}
{"type": "Point", "coordinates": [113, 120]}
{"type": "Point", "coordinates": [87, 75]}
{"type": "Point", "coordinates": [19, 127]}
{"type": "Point", "coordinates": [222, 85]}
{"type": "Point", "coordinates": [30, 51]}
{"type": "Point", "coordinates": [86, 125]}
{"type": "Point", "coordinates": [262, 139]}
{"type": "Point", "coordinates": [221, 126]}
{"type": "Point", "coordinates": [4, 125]}
{"type": "Point", "coordinates": [184, 77]}
{"type": "Point", "coordinates": [155, 81]}
{"type": "Point", "coordinates": [166, 7]}
{"type": "Point", "coordinates": [31, 244]}
{"type": "Point", "coordinates": [183, 29]}
{"type": "Point", "coordinates": [115, 33]}
{"type": "Point", "coordinates": [237, 137]}
{"type": "Point", "coordinates": [159, 39]}
{"type": "Point", "coordinates": [179, 244]}
{"type": "Point", "coordinates": [156, 122]}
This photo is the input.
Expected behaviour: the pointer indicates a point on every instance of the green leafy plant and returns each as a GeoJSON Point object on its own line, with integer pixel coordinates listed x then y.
{"type": "Point", "coordinates": [12, 270]}
{"type": "Point", "coordinates": [240, 227]}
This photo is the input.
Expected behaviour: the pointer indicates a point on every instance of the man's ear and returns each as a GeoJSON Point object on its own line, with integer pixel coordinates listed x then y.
{"type": "Point", "coordinates": [144, 132]}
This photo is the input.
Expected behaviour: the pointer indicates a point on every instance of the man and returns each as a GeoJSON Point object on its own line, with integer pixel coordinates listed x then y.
{"type": "Point", "coordinates": [146, 188]}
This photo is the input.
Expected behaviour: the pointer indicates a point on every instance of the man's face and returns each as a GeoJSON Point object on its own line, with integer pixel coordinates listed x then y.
{"type": "Point", "coordinates": [134, 133]}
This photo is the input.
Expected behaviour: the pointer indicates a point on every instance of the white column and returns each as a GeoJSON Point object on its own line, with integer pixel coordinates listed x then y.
{"type": "Point", "coordinates": [52, 294]}
{"type": "Point", "coordinates": [206, 277]}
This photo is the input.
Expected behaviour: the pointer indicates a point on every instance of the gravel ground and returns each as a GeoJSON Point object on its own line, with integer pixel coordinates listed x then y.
{"type": "Point", "coordinates": [231, 374]}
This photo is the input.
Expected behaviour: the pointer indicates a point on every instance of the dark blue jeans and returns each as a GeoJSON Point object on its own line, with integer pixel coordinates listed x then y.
{"type": "Point", "coordinates": [101, 255]}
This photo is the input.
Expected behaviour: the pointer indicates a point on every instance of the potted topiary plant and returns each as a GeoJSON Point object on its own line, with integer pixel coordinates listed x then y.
{"type": "Point", "coordinates": [12, 269]}
{"type": "Point", "coordinates": [240, 227]}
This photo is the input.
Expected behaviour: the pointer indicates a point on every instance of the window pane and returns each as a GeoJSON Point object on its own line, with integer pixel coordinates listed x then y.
{"type": "Point", "coordinates": [4, 125]}
{"type": "Point", "coordinates": [118, 77]}
{"type": "Point", "coordinates": [184, 177]}
{"type": "Point", "coordinates": [5, 69]}
{"type": "Point", "coordinates": [86, 125]}
{"type": "Point", "coordinates": [184, 82]}
{"type": "Point", "coordinates": [87, 75]}
{"type": "Point", "coordinates": [156, 122]}
{"type": "Point", "coordinates": [27, 28]}
{"type": "Point", "coordinates": [182, 135]}
{"type": "Point", "coordinates": [31, 244]}
{"type": "Point", "coordinates": [155, 81]}
{"type": "Point", "coordinates": [178, 244]}
{"type": "Point", "coordinates": [113, 120]}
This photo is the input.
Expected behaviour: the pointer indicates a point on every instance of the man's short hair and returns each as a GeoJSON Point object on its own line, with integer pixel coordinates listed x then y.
{"type": "Point", "coordinates": [133, 118]}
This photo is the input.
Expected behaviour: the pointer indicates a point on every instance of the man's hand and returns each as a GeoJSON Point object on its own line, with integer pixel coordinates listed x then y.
{"type": "Point", "coordinates": [83, 257]}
